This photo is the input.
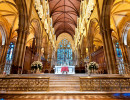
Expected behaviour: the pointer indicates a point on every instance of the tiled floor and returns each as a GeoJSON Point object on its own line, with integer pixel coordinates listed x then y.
{"type": "Point", "coordinates": [65, 97]}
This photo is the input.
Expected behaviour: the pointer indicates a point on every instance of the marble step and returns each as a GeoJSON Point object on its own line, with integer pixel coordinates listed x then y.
{"type": "Point", "coordinates": [64, 88]}
{"type": "Point", "coordinates": [64, 78]}
{"type": "Point", "coordinates": [64, 85]}
{"type": "Point", "coordinates": [64, 82]}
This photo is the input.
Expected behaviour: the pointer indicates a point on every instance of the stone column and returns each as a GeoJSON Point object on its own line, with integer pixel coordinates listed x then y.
{"type": "Point", "coordinates": [23, 30]}
{"type": "Point", "coordinates": [83, 55]}
{"type": "Point", "coordinates": [128, 50]}
{"type": "Point", "coordinates": [45, 46]}
{"type": "Point", "coordinates": [90, 44]}
{"type": "Point", "coordinates": [46, 51]}
{"type": "Point", "coordinates": [50, 52]}
{"type": "Point", "coordinates": [38, 45]}
{"type": "Point", "coordinates": [19, 53]}
{"type": "Point", "coordinates": [90, 50]}
{"type": "Point", "coordinates": [73, 57]}
{"type": "Point", "coordinates": [106, 36]}
{"type": "Point", "coordinates": [109, 52]}
{"type": "Point", "coordinates": [55, 57]}
{"type": "Point", "coordinates": [76, 56]}
{"type": "Point", "coordinates": [84, 47]}
{"type": "Point", "coordinates": [79, 57]}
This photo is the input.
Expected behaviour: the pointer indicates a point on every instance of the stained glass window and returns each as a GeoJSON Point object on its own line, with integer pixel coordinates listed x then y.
{"type": "Point", "coordinates": [64, 53]}
{"type": "Point", "coordinates": [118, 50]}
{"type": "Point", "coordinates": [9, 58]}
{"type": "Point", "coordinates": [121, 67]}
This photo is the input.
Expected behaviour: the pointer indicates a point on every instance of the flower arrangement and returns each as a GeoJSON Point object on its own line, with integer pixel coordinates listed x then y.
{"type": "Point", "coordinates": [93, 65]}
{"type": "Point", "coordinates": [36, 65]}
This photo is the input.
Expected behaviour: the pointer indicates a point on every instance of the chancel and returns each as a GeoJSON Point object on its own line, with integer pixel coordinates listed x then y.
{"type": "Point", "coordinates": [64, 49]}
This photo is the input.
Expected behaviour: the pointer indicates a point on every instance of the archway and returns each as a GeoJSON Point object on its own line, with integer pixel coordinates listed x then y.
{"type": "Point", "coordinates": [95, 45]}
{"type": "Point", "coordinates": [126, 38]}
{"type": "Point", "coordinates": [3, 39]}
{"type": "Point", "coordinates": [33, 45]}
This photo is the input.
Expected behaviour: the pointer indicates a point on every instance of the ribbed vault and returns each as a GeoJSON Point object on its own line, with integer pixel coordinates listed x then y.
{"type": "Point", "coordinates": [64, 15]}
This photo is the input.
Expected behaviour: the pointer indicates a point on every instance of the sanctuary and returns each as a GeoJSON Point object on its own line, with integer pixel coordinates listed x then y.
{"type": "Point", "coordinates": [64, 49]}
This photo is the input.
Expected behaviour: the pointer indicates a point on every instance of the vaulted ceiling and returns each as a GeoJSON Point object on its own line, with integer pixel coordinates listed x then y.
{"type": "Point", "coordinates": [9, 14]}
{"type": "Point", "coordinates": [64, 14]}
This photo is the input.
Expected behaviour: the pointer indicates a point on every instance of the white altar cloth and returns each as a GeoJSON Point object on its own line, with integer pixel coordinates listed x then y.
{"type": "Point", "coordinates": [71, 69]}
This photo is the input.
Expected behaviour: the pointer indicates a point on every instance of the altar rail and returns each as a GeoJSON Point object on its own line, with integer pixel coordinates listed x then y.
{"type": "Point", "coordinates": [24, 83]}
{"type": "Point", "coordinates": [105, 84]}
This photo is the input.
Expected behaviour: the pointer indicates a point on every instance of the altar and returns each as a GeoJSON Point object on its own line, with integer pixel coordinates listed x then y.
{"type": "Point", "coordinates": [71, 69]}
